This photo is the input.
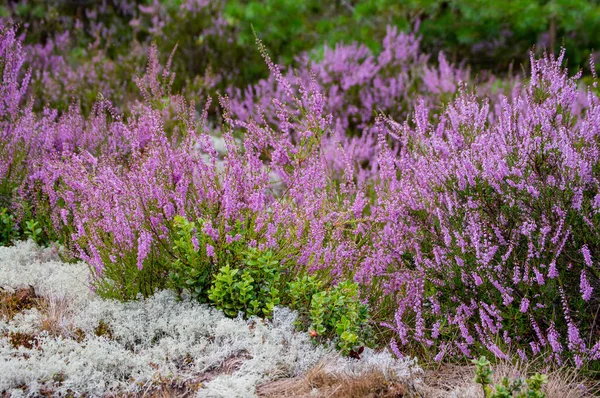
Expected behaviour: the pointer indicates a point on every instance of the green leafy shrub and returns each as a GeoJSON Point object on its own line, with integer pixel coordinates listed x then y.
{"type": "Point", "coordinates": [335, 313]}
{"type": "Point", "coordinates": [192, 269]}
{"type": "Point", "coordinates": [198, 256]}
{"type": "Point", "coordinates": [302, 289]}
{"type": "Point", "coordinates": [28, 227]}
{"type": "Point", "coordinates": [252, 289]}
{"type": "Point", "coordinates": [8, 228]}
{"type": "Point", "coordinates": [517, 388]}
{"type": "Point", "coordinates": [250, 281]}
{"type": "Point", "coordinates": [33, 231]}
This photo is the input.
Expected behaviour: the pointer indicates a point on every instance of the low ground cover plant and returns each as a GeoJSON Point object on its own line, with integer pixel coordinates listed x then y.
{"type": "Point", "coordinates": [339, 312]}
{"type": "Point", "coordinates": [8, 228]}
{"type": "Point", "coordinates": [252, 282]}
{"type": "Point", "coordinates": [252, 290]}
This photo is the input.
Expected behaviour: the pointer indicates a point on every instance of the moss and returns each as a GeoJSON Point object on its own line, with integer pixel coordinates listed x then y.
{"type": "Point", "coordinates": [103, 330]}
{"type": "Point", "coordinates": [20, 339]}
{"type": "Point", "coordinates": [11, 303]}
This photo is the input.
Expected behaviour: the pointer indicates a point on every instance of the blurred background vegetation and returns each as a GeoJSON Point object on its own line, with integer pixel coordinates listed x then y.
{"type": "Point", "coordinates": [218, 35]}
{"type": "Point", "coordinates": [483, 33]}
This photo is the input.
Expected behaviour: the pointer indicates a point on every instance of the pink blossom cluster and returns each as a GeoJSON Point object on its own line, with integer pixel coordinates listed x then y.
{"type": "Point", "coordinates": [357, 85]}
{"type": "Point", "coordinates": [77, 63]}
{"type": "Point", "coordinates": [58, 81]}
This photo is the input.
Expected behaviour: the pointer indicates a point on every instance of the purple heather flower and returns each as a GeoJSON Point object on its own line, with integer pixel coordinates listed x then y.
{"type": "Point", "coordinates": [210, 250]}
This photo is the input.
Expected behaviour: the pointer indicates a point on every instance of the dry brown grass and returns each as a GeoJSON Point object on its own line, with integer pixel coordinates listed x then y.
{"type": "Point", "coordinates": [319, 382]}
{"type": "Point", "coordinates": [231, 364]}
{"type": "Point", "coordinates": [53, 312]}
{"type": "Point", "coordinates": [563, 382]}
{"type": "Point", "coordinates": [446, 381]}
{"type": "Point", "coordinates": [56, 313]}
{"type": "Point", "coordinates": [164, 387]}
{"type": "Point", "coordinates": [167, 388]}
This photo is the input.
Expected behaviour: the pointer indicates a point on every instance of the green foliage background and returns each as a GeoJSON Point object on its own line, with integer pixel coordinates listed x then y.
{"type": "Point", "coordinates": [485, 34]}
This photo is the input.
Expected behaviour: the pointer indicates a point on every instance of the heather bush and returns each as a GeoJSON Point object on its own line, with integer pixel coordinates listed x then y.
{"type": "Point", "coordinates": [83, 50]}
{"type": "Point", "coordinates": [357, 85]}
{"type": "Point", "coordinates": [64, 74]}
{"type": "Point", "coordinates": [489, 223]}
{"type": "Point", "coordinates": [116, 208]}
{"type": "Point", "coordinates": [23, 139]}
{"type": "Point", "coordinates": [118, 194]}
{"type": "Point", "coordinates": [29, 140]}
{"type": "Point", "coordinates": [14, 120]}
{"type": "Point", "coordinates": [216, 37]}
{"type": "Point", "coordinates": [72, 50]}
